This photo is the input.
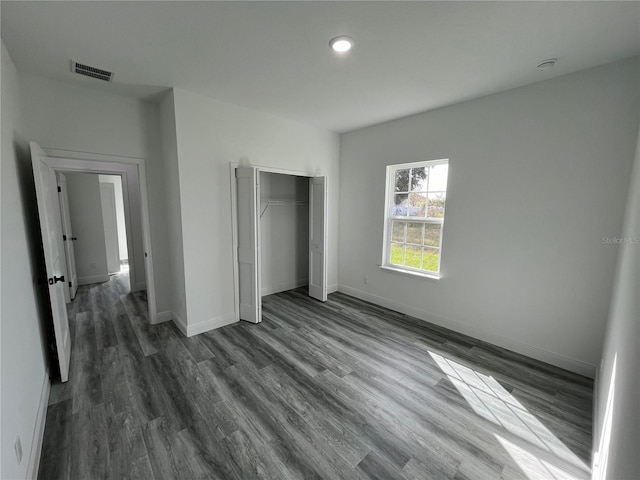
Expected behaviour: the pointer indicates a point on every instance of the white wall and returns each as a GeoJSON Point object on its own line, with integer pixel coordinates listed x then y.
{"type": "Point", "coordinates": [210, 136]}
{"type": "Point", "coordinates": [108, 203]}
{"type": "Point", "coordinates": [617, 395]}
{"type": "Point", "coordinates": [173, 216]}
{"type": "Point", "coordinates": [116, 180]}
{"type": "Point", "coordinates": [67, 117]}
{"type": "Point", "coordinates": [85, 208]}
{"type": "Point", "coordinates": [537, 176]}
{"type": "Point", "coordinates": [284, 231]}
{"type": "Point", "coordinates": [23, 315]}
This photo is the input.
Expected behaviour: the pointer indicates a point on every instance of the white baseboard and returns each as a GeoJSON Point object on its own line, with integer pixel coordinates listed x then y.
{"type": "Point", "coordinates": [332, 288]}
{"type": "Point", "coordinates": [201, 327]}
{"type": "Point", "coordinates": [93, 279]}
{"type": "Point", "coordinates": [531, 351]}
{"type": "Point", "coordinates": [162, 317]}
{"type": "Point", "coordinates": [182, 326]}
{"type": "Point", "coordinates": [283, 287]}
{"type": "Point", "coordinates": [38, 431]}
{"type": "Point", "coordinates": [139, 286]}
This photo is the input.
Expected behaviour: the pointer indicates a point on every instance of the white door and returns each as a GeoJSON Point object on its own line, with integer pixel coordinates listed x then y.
{"type": "Point", "coordinates": [51, 230]}
{"type": "Point", "coordinates": [110, 223]}
{"type": "Point", "coordinates": [65, 263]}
{"type": "Point", "coordinates": [247, 188]}
{"type": "Point", "coordinates": [67, 235]}
{"type": "Point", "coordinates": [318, 238]}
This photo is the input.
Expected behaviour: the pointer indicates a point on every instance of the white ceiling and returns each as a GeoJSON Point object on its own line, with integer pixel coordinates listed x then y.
{"type": "Point", "coordinates": [274, 56]}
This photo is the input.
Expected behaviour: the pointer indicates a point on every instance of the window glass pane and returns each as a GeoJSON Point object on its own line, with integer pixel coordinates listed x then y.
{"type": "Point", "coordinates": [417, 204]}
{"type": "Point", "coordinates": [417, 199]}
{"type": "Point", "coordinates": [432, 234]}
{"type": "Point", "coordinates": [419, 179]}
{"type": "Point", "coordinates": [397, 233]}
{"type": "Point", "coordinates": [438, 177]}
{"type": "Point", "coordinates": [436, 205]}
{"type": "Point", "coordinates": [397, 254]}
{"type": "Point", "coordinates": [400, 205]}
{"type": "Point", "coordinates": [412, 256]}
{"type": "Point", "coordinates": [402, 180]}
{"type": "Point", "coordinates": [430, 258]}
{"type": "Point", "coordinates": [414, 233]}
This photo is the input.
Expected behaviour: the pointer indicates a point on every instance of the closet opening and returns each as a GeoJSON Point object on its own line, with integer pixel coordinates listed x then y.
{"type": "Point", "coordinates": [280, 235]}
{"type": "Point", "coordinates": [284, 232]}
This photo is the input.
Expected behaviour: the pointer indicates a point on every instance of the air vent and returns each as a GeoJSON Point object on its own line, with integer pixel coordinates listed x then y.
{"type": "Point", "coordinates": [92, 72]}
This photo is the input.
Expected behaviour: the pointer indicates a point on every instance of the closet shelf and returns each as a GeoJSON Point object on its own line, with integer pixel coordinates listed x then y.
{"type": "Point", "coordinates": [279, 202]}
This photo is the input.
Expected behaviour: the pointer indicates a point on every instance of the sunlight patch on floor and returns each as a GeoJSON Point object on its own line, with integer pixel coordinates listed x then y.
{"type": "Point", "coordinates": [533, 466]}
{"type": "Point", "coordinates": [494, 403]}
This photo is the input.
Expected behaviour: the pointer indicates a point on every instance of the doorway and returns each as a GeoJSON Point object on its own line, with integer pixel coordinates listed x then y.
{"type": "Point", "coordinates": [95, 219]}
{"type": "Point", "coordinates": [254, 191]}
{"type": "Point", "coordinates": [284, 232]}
{"type": "Point", "coordinates": [46, 165]}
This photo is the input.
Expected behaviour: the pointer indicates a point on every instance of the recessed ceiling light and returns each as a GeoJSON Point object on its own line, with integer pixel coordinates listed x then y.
{"type": "Point", "coordinates": [547, 64]}
{"type": "Point", "coordinates": [341, 44]}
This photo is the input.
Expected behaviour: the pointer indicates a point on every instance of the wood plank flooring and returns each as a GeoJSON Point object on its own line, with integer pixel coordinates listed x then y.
{"type": "Point", "coordinates": [340, 390]}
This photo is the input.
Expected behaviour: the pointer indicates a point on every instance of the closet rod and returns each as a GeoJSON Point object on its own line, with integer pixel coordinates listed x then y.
{"type": "Point", "coordinates": [281, 202]}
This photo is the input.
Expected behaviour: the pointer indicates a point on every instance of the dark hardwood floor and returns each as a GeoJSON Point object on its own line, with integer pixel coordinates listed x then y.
{"type": "Point", "coordinates": [338, 390]}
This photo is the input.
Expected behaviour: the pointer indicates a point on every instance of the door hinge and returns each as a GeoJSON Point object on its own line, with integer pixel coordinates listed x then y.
{"type": "Point", "coordinates": [69, 284]}
{"type": "Point", "coordinates": [59, 188]}
{"type": "Point", "coordinates": [64, 238]}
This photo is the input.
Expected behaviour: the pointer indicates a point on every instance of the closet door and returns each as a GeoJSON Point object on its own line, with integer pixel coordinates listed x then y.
{"type": "Point", "coordinates": [318, 238]}
{"type": "Point", "coordinates": [247, 182]}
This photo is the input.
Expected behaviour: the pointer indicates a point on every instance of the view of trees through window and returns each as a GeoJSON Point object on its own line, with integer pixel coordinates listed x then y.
{"type": "Point", "coordinates": [416, 215]}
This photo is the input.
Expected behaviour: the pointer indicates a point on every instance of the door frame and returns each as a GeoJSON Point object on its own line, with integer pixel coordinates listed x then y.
{"type": "Point", "coordinates": [84, 162]}
{"type": "Point", "coordinates": [234, 218]}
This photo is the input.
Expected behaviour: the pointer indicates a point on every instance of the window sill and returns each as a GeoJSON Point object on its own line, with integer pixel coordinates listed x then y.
{"type": "Point", "coordinates": [428, 276]}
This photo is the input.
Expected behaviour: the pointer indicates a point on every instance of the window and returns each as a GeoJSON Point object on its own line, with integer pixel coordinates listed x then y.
{"type": "Point", "coordinates": [414, 216]}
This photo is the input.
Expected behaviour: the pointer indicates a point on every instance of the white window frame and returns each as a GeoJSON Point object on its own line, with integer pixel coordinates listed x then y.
{"type": "Point", "coordinates": [388, 221]}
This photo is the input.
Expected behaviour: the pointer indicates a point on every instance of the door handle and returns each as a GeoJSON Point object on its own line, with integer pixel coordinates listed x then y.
{"type": "Point", "coordinates": [74, 238]}
{"type": "Point", "coordinates": [56, 279]}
